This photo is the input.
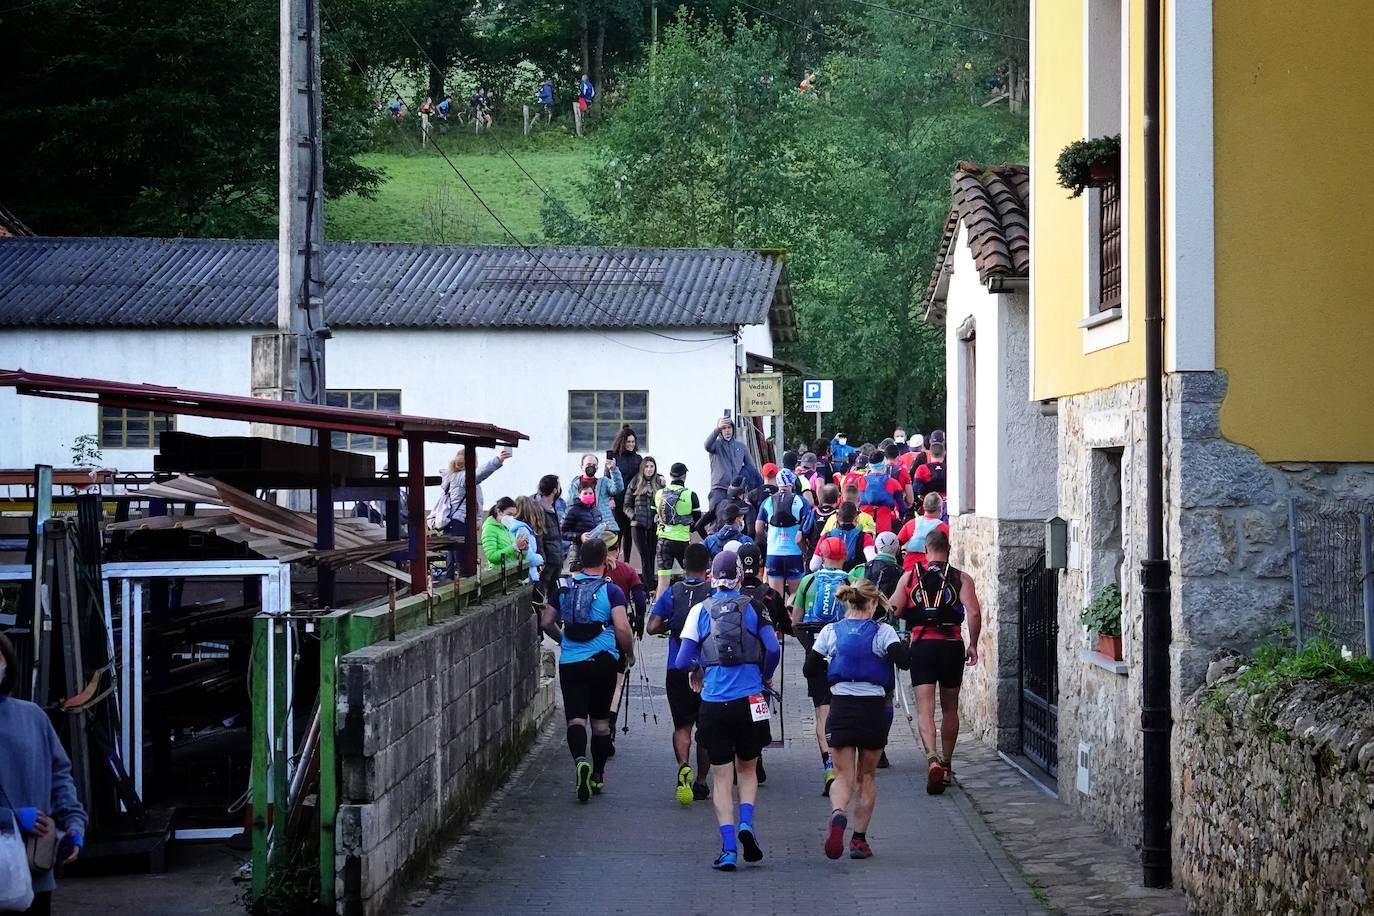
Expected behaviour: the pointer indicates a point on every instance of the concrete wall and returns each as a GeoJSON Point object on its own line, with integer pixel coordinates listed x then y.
{"type": "Point", "coordinates": [1278, 786]}
{"type": "Point", "coordinates": [518, 379]}
{"type": "Point", "coordinates": [429, 726]}
{"type": "Point", "coordinates": [1015, 444]}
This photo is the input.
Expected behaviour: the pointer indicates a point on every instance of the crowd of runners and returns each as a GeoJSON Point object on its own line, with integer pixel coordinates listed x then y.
{"type": "Point", "coordinates": [842, 548]}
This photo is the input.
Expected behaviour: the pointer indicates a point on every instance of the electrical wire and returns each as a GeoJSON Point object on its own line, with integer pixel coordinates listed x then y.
{"type": "Point", "coordinates": [491, 136]}
{"type": "Point", "coordinates": [529, 251]}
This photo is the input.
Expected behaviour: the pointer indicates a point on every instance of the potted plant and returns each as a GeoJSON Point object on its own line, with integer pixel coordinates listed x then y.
{"type": "Point", "coordinates": [1102, 617]}
{"type": "Point", "coordinates": [86, 454]}
{"type": "Point", "coordinates": [1089, 163]}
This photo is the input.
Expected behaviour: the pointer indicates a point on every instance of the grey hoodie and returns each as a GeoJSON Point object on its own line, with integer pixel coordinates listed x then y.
{"type": "Point", "coordinates": [729, 458]}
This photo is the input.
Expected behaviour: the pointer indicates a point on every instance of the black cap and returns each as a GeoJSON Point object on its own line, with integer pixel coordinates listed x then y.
{"type": "Point", "coordinates": [678, 469]}
{"type": "Point", "coordinates": [750, 560]}
{"type": "Point", "coordinates": [736, 488]}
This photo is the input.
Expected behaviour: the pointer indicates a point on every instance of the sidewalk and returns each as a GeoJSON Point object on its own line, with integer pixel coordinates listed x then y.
{"type": "Point", "coordinates": [635, 850]}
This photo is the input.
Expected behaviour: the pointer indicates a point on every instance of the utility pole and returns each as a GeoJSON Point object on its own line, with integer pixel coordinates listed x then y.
{"type": "Point", "coordinates": [653, 45]}
{"type": "Point", "coordinates": [289, 365]}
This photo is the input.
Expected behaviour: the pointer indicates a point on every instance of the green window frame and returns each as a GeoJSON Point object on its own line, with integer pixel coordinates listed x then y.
{"type": "Point", "coordinates": [122, 428]}
{"type": "Point", "coordinates": [595, 418]}
{"type": "Point", "coordinates": [380, 400]}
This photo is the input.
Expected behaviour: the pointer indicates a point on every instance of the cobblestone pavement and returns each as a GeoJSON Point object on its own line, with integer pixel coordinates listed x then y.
{"type": "Point", "coordinates": [635, 850]}
{"type": "Point", "coordinates": [1077, 868]}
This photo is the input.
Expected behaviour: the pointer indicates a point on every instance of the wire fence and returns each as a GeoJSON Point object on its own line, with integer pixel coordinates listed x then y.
{"type": "Point", "coordinates": [1333, 573]}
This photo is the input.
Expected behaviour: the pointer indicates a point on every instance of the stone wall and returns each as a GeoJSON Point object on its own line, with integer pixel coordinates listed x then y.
{"type": "Point", "coordinates": [429, 726]}
{"type": "Point", "coordinates": [1226, 534]}
{"type": "Point", "coordinates": [993, 552]}
{"type": "Point", "coordinates": [1278, 790]}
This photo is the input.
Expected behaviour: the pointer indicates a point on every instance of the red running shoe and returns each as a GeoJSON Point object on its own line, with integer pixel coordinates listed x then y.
{"type": "Point", "coordinates": [859, 849]}
{"type": "Point", "coordinates": [834, 840]}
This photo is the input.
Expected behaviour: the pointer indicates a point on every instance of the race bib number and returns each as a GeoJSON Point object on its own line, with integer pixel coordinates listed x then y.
{"type": "Point", "coordinates": [758, 708]}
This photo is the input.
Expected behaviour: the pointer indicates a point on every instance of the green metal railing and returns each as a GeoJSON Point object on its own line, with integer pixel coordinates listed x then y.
{"type": "Point", "coordinates": [340, 633]}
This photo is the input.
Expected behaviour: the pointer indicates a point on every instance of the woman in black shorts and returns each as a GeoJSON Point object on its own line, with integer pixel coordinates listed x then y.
{"type": "Point", "coordinates": [857, 655]}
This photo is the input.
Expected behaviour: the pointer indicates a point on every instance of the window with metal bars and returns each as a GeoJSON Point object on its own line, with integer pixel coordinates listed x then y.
{"type": "Point", "coordinates": [1109, 284]}
{"type": "Point", "coordinates": [385, 401]}
{"type": "Point", "coordinates": [120, 428]}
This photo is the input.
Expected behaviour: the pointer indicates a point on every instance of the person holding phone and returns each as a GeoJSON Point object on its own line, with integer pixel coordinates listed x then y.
{"type": "Point", "coordinates": [608, 486]}
{"type": "Point", "coordinates": [455, 490]}
{"type": "Point", "coordinates": [730, 458]}
{"type": "Point", "coordinates": [36, 787]}
{"type": "Point", "coordinates": [625, 451]}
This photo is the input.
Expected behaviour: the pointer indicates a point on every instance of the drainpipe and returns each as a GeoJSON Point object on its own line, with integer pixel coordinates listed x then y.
{"type": "Point", "coordinates": [1156, 718]}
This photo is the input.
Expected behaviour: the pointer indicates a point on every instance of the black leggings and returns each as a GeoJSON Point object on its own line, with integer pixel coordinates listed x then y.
{"type": "Point", "coordinates": [646, 542]}
{"type": "Point", "coordinates": [626, 543]}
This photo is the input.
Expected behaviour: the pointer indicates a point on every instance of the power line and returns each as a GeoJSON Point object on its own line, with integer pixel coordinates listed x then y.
{"type": "Point", "coordinates": [491, 135]}
{"type": "Point", "coordinates": [530, 251]}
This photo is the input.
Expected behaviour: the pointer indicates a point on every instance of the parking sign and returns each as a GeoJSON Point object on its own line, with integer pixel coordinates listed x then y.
{"type": "Point", "coordinates": [818, 395]}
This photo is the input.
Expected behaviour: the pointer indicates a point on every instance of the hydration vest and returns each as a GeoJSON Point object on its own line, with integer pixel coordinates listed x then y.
{"type": "Point", "coordinates": [686, 595]}
{"type": "Point", "coordinates": [730, 643]}
{"type": "Point", "coordinates": [670, 508]}
{"type": "Point", "coordinates": [883, 573]}
{"type": "Point", "coordinates": [875, 492]}
{"type": "Point", "coordinates": [934, 598]}
{"type": "Point", "coordinates": [716, 542]}
{"type": "Point", "coordinates": [853, 539]}
{"type": "Point", "coordinates": [784, 516]}
{"type": "Point", "coordinates": [575, 610]}
{"type": "Point", "coordinates": [917, 542]}
{"type": "Point", "coordinates": [853, 658]}
{"type": "Point", "coordinates": [936, 484]}
{"type": "Point", "coordinates": [825, 606]}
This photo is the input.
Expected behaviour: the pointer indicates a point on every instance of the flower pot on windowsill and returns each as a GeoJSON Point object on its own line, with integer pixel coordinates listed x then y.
{"type": "Point", "coordinates": [1102, 173]}
{"type": "Point", "coordinates": [1110, 646]}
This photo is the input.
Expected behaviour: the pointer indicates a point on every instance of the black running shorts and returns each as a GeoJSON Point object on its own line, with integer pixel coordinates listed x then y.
{"type": "Point", "coordinates": [860, 722]}
{"type": "Point", "coordinates": [937, 661]}
{"type": "Point", "coordinates": [588, 687]}
{"type": "Point", "coordinates": [728, 731]}
{"type": "Point", "coordinates": [683, 701]}
{"type": "Point", "coordinates": [818, 687]}
{"type": "Point", "coordinates": [668, 551]}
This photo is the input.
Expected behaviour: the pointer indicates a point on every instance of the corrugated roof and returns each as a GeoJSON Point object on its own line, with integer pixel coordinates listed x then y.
{"type": "Point", "coordinates": [126, 282]}
{"type": "Point", "coordinates": [993, 201]}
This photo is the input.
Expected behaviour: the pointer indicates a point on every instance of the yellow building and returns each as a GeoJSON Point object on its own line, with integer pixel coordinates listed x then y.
{"type": "Point", "coordinates": [1269, 337]}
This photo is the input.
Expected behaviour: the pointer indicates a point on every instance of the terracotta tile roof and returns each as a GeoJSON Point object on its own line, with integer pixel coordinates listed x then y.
{"type": "Point", "coordinates": [993, 201]}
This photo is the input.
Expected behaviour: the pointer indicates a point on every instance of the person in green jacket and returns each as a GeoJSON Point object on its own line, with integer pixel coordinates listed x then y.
{"type": "Point", "coordinates": [498, 546]}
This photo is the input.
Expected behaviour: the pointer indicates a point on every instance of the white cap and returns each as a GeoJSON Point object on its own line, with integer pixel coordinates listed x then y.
{"type": "Point", "coordinates": [918, 441]}
{"type": "Point", "coordinates": [732, 547]}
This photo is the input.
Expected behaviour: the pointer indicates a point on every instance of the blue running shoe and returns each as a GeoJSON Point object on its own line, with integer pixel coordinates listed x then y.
{"type": "Point", "coordinates": [752, 851]}
{"type": "Point", "coordinates": [726, 861]}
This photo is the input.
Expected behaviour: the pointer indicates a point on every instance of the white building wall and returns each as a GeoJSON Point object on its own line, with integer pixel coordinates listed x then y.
{"type": "Point", "coordinates": [519, 379]}
{"type": "Point", "coordinates": [1014, 473]}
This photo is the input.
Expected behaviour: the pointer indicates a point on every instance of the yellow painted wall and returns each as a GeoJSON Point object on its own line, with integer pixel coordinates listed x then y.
{"type": "Point", "coordinates": [1294, 137]}
{"type": "Point", "coordinates": [1060, 365]}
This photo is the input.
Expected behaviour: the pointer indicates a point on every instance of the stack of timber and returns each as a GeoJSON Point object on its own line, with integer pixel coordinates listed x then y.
{"type": "Point", "coordinates": [264, 527]}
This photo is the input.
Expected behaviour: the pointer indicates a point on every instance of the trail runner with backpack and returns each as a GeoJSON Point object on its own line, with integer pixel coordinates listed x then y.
{"type": "Point", "coordinates": [677, 509]}
{"type": "Point", "coordinates": [816, 604]}
{"type": "Point", "coordinates": [936, 600]}
{"type": "Point", "coordinates": [669, 616]}
{"type": "Point", "coordinates": [783, 520]}
{"type": "Point", "coordinates": [856, 655]}
{"type": "Point", "coordinates": [592, 627]}
{"type": "Point", "coordinates": [731, 653]}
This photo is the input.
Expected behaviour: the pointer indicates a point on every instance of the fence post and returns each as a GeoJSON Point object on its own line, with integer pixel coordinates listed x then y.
{"type": "Point", "coordinates": [1297, 568]}
{"type": "Point", "coordinates": [1367, 576]}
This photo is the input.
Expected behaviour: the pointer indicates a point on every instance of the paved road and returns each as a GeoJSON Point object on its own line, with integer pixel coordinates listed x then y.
{"type": "Point", "coordinates": [635, 850]}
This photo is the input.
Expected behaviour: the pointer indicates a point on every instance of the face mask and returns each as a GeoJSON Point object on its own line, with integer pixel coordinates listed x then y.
{"type": "Point", "coordinates": [843, 440]}
{"type": "Point", "coordinates": [589, 471]}
{"type": "Point", "coordinates": [587, 498]}
{"type": "Point", "coordinates": [900, 440]}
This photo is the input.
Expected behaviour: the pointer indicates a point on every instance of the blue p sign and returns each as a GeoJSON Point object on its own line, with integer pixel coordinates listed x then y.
{"type": "Point", "coordinates": [813, 390]}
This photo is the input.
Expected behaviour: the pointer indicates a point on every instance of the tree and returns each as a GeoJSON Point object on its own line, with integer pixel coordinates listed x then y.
{"type": "Point", "coordinates": [136, 117]}
{"type": "Point", "coordinates": [852, 181]}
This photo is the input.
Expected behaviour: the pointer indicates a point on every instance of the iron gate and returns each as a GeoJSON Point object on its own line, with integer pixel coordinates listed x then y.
{"type": "Point", "coordinates": [1039, 666]}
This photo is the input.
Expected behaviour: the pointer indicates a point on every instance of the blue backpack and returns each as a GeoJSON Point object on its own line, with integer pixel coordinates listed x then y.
{"type": "Point", "coordinates": [853, 539]}
{"type": "Point", "coordinates": [825, 606]}
{"type": "Point", "coordinates": [576, 609]}
{"type": "Point", "coordinates": [875, 490]}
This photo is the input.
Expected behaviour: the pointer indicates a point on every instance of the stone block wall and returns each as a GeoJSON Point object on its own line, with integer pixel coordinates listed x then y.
{"type": "Point", "coordinates": [429, 726]}
{"type": "Point", "coordinates": [993, 552]}
{"type": "Point", "coordinates": [1278, 790]}
{"type": "Point", "coordinates": [1226, 534]}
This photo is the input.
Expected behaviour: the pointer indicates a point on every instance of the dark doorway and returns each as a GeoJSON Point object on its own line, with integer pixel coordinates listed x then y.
{"type": "Point", "coordinates": [1039, 666]}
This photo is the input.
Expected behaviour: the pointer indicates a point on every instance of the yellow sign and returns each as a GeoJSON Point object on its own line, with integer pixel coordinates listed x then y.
{"type": "Point", "coordinates": [760, 394]}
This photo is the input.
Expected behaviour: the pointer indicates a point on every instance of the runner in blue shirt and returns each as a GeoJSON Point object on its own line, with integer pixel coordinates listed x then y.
{"type": "Point", "coordinates": [669, 615]}
{"type": "Point", "coordinates": [731, 655]}
{"type": "Point", "coordinates": [784, 518]}
{"type": "Point", "coordinates": [596, 643]}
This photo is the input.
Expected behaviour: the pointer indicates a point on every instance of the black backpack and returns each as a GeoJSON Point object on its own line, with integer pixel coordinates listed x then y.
{"type": "Point", "coordinates": [936, 484]}
{"type": "Point", "coordinates": [730, 643]}
{"type": "Point", "coordinates": [686, 597]}
{"type": "Point", "coordinates": [783, 516]}
{"type": "Point", "coordinates": [884, 575]}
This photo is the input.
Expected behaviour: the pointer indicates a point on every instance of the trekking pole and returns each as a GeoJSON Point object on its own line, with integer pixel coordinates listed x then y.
{"type": "Point", "coordinates": [625, 701]}
{"type": "Point", "coordinates": [644, 678]}
{"type": "Point", "coordinates": [905, 706]}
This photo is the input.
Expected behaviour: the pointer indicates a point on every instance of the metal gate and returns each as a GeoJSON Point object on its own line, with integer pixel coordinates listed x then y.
{"type": "Point", "coordinates": [1039, 666]}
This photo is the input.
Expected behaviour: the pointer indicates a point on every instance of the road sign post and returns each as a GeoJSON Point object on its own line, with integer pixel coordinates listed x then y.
{"type": "Point", "coordinates": [818, 397]}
